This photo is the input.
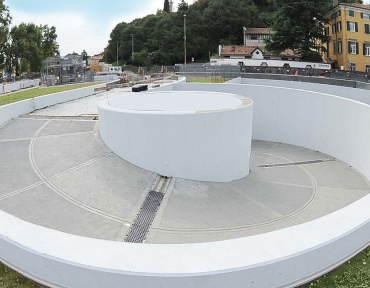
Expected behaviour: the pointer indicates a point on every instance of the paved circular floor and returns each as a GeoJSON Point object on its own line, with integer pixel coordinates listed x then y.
{"type": "Point", "coordinates": [59, 174]}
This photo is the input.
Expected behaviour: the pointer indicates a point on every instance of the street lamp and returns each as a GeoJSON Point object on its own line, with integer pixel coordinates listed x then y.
{"type": "Point", "coordinates": [117, 53]}
{"type": "Point", "coordinates": [132, 42]}
{"type": "Point", "coordinates": [185, 39]}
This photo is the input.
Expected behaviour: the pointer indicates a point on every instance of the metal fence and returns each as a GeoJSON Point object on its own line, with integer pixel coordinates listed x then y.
{"type": "Point", "coordinates": [349, 75]}
{"type": "Point", "coordinates": [163, 69]}
{"type": "Point", "coordinates": [232, 71]}
{"type": "Point", "coordinates": [136, 70]}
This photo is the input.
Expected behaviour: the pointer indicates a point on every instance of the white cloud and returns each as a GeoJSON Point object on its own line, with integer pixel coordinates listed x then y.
{"type": "Point", "coordinates": [77, 31]}
{"type": "Point", "coordinates": [73, 29]}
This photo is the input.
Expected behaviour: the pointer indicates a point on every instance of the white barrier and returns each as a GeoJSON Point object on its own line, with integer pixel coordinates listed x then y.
{"type": "Point", "coordinates": [10, 111]}
{"type": "Point", "coordinates": [283, 258]}
{"type": "Point", "coordinates": [13, 110]}
{"type": "Point", "coordinates": [105, 78]}
{"type": "Point", "coordinates": [61, 97]}
{"type": "Point", "coordinates": [15, 86]}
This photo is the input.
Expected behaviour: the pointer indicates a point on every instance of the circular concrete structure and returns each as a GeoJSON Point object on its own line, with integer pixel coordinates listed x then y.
{"type": "Point", "coordinates": [78, 169]}
{"type": "Point", "coordinates": [203, 136]}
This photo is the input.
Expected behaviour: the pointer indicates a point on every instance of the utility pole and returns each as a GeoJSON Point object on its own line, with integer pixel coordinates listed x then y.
{"type": "Point", "coordinates": [185, 40]}
{"type": "Point", "coordinates": [132, 42]}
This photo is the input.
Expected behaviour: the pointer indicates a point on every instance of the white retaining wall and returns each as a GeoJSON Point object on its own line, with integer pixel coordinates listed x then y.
{"type": "Point", "coordinates": [15, 86]}
{"type": "Point", "coordinates": [283, 258]}
{"type": "Point", "coordinates": [105, 78]}
{"type": "Point", "coordinates": [10, 111]}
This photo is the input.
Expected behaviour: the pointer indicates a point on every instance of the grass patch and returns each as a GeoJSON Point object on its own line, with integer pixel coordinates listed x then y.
{"type": "Point", "coordinates": [207, 79]}
{"type": "Point", "coordinates": [11, 279]}
{"type": "Point", "coordinates": [354, 274]}
{"type": "Point", "coordinates": [36, 92]}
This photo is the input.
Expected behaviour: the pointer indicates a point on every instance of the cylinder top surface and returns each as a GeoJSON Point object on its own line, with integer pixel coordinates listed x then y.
{"type": "Point", "coordinates": [179, 101]}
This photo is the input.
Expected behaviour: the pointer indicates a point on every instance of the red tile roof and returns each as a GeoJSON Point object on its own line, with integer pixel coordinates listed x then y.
{"type": "Point", "coordinates": [355, 5]}
{"type": "Point", "coordinates": [261, 31]}
{"type": "Point", "coordinates": [248, 50]}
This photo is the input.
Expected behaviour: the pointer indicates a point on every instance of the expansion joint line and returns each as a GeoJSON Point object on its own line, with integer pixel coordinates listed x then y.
{"type": "Point", "coordinates": [297, 163]}
{"type": "Point", "coordinates": [59, 191]}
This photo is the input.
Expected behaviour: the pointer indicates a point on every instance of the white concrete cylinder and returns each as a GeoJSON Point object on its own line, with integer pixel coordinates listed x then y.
{"type": "Point", "coordinates": [203, 136]}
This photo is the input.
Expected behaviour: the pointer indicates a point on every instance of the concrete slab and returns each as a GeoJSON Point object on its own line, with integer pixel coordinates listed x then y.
{"type": "Point", "coordinates": [60, 127]}
{"type": "Point", "coordinates": [15, 169]}
{"type": "Point", "coordinates": [327, 201]}
{"type": "Point", "coordinates": [116, 188]}
{"type": "Point", "coordinates": [65, 178]}
{"type": "Point", "coordinates": [284, 199]}
{"type": "Point", "coordinates": [294, 175]}
{"type": "Point", "coordinates": [20, 129]}
{"type": "Point", "coordinates": [55, 155]}
{"type": "Point", "coordinates": [195, 205]}
{"type": "Point", "coordinates": [293, 153]}
{"type": "Point", "coordinates": [42, 206]}
{"type": "Point", "coordinates": [336, 174]}
{"type": "Point", "coordinates": [163, 236]}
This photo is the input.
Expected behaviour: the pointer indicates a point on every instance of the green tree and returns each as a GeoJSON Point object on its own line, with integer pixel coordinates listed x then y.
{"type": "Point", "coordinates": [84, 55]}
{"type": "Point", "coordinates": [5, 21]}
{"type": "Point", "coordinates": [182, 6]}
{"type": "Point", "coordinates": [226, 19]}
{"type": "Point", "coordinates": [49, 45]}
{"type": "Point", "coordinates": [208, 24]}
{"type": "Point", "coordinates": [27, 44]}
{"type": "Point", "coordinates": [166, 7]}
{"type": "Point", "coordinates": [299, 25]}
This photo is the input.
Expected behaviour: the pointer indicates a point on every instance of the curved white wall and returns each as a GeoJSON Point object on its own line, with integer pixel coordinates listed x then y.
{"type": "Point", "coordinates": [194, 135]}
{"type": "Point", "coordinates": [311, 119]}
{"type": "Point", "coordinates": [283, 258]}
{"type": "Point", "coordinates": [10, 111]}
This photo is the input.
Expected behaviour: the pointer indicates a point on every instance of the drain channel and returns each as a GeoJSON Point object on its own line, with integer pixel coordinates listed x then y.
{"type": "Point", "coordinates": [296, 163]}
{"type": "Point", "coordinates": [144, 219]}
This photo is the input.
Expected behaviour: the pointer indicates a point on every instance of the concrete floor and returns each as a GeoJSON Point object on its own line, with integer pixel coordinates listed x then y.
{"type": "Point", "coordinates": [59, 174]}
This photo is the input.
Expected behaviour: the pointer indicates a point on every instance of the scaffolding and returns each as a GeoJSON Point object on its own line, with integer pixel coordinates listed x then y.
{"type": "Point", "coordinates": [62, 70]}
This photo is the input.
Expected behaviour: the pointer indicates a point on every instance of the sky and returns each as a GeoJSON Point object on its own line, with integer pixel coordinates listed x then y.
{"type": "Point", "coordinates": [83, 24]}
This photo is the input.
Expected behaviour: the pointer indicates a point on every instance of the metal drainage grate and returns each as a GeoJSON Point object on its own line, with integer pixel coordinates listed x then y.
{"type": "Point", "coordinates": [140, 228]}
{"type": "Point", "coordinates": [296, 163]}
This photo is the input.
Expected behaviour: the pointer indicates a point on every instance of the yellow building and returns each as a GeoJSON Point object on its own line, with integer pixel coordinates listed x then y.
{"type": "Point", "coordinates": [349, 31]}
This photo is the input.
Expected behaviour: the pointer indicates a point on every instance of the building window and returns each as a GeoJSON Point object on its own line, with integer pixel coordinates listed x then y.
{"type": "Point", "coordinates": [340, 47]}
{"type": "Point", "coordinates": [338, 13]}
{"type": "Point", "coordinates": [352, 26]}
{"type": "Point", "coordinates": [339, 26]}
{"type": "Point", "coordinates": [367, 68]}
{"type": "Point", "coordinates": [352, 47]}
{"type": "Point", "coordinates": [327, 31]}
{"type": "Point", "coordinates": [365, 16]}
{"type": "Point", "coordinates": [334, 28]}
{"type": "Point", "coordinates": [367, 28]}
{"type": "Point", "coordinates": [351, 13]}
{"type": "Point", "coordinates": [352, 66]}
{"type": "Point", "coordinates": [367, 49]}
